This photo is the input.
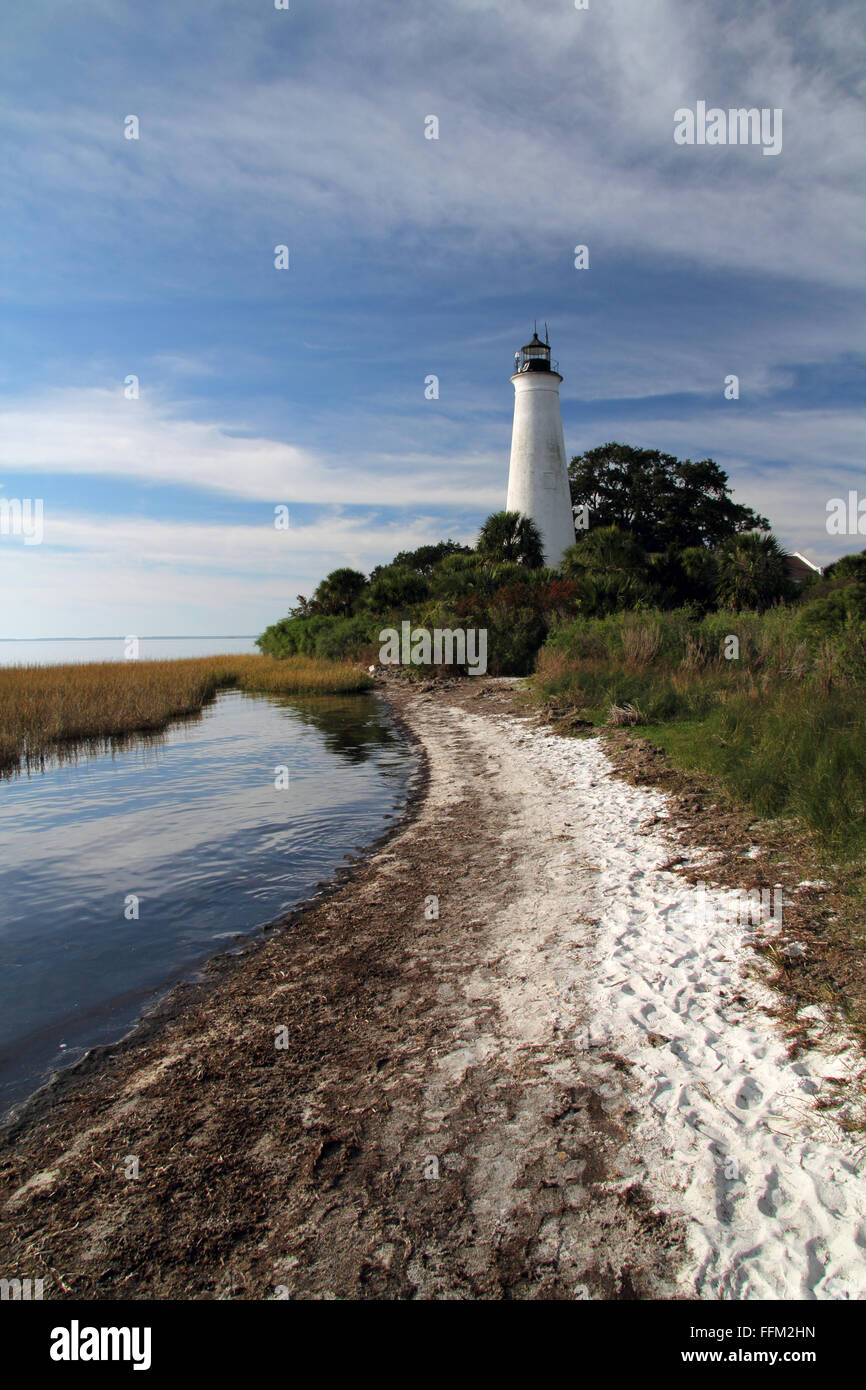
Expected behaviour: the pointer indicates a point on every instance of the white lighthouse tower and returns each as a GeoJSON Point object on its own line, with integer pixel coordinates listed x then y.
{"type": "Point", "coordinates": [537, 474]}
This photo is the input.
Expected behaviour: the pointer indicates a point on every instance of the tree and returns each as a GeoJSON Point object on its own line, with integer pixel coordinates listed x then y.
{"type": "Point", "coordinates": [609, 568]}
{"type": "Point", "coordinates": [685, 578]}
{"type": "Point", "coordinates": [396, 586]}
{"type": "Point", "coordinates": [660, 499]}
{"type": "Point", "coordinates": [305, 607]}
{"type": "Point", "coordinates": [753, 572]}
{"type": "Point", "coordinates": [337, 595]}
{"type": "Point", "coordinates": [511, 537]}
{"type": "Point", "coordinates": [426, 557]}
{"type": "Point", "coordinates": [605, 550]}
{"type": "Point", "coordinates": [847, 569]}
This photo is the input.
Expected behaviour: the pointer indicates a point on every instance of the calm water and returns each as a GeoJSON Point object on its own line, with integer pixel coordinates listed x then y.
{"type": "Point", "coordinates": [45, 652]}
{"type": "Point", "coordinates": [191, 823]}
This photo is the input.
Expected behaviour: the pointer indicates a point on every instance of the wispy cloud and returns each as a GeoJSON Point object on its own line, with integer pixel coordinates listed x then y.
{"type": "Point", "coordinates": [100, 433]}
{"type": "Point", "coordinates": [566, 131]}
{"type": "Point", "coordinates": [140, 575]}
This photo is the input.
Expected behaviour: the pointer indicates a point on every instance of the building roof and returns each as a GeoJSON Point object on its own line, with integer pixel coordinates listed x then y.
{"type": "Point", "coordinates": [799, 567]}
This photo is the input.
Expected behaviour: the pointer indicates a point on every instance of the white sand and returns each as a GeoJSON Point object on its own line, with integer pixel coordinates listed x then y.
{"type": "Point", "coordinates": [607, 950]}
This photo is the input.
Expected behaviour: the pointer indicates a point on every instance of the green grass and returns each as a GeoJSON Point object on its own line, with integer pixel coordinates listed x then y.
{"type": "Point", "coordinates": [783, 728]}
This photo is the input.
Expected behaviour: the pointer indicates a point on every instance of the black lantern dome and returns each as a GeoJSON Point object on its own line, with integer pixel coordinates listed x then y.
{"type": "Point", "coordinates": [534, 356]}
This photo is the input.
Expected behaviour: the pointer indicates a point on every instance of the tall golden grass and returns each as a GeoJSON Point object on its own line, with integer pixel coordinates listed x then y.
{"type": "Point", "coordinates": [44, 709]}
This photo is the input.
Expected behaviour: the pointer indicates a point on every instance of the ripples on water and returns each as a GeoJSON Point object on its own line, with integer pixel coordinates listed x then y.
{"type": "Point", "coordinates": [190, 822]}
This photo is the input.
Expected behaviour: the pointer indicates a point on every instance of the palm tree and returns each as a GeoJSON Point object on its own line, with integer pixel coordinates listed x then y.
{"type": "Point", "coordinates": [513, 538]}
{"type": "Point", "coordinates": [339, 593]}
{"type": "Point", "coordinates": [753, 571]}
{"type": "Point", "coordinates": [605, 550]}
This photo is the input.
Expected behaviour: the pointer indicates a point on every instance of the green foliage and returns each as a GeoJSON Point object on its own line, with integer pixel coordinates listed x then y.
{"type": "Point", "coordinates": [349, 638]}
{"type": "Point", "coordinates": [328, 637]}
{"type": "Point", "coordinates": [753, 572]}
{"type": "Point", "coordinates": [609, 581]}
{"type": "Point", "coordinates": [515, 624]}
{"type": "Point", "coordinates": [829, 616]}
{"type": "Point", "coordinates": [458, 575]}
{"type": "Point", "coordinates": [511, 537]}
{"type": "Point", "coordinates": [514, 636]}
{"type": "Point", "coordinates": [783, 724]}
{"type": "Point", "coordinates": [660, 499]}
{"type": "Point", "coordinates": [295, 636]}
{"type": "Point", "coordinates": [395, 587]}
{"type": "Point", "coordinates": [849, 568]}
{"type": "Point", "coordinates": [425, 559]}
{"type": "Point", "coordinates": [685, 578]}
{"type": "Point", "coordinates": [610, 569]}
{"type": "Point", "coordinates": [338, 595]}
{"type": "Point", "coordinates": [748, 570]}
{"type": "Point", "coordinates": [605, 550]}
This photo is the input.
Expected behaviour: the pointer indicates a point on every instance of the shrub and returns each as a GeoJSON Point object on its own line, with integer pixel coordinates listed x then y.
{"type": "Point", "coordinates": [511, 537]}
{"type": "Point", "coordinates": [753, 571]}
{"type": "Point", "coordinates": [395, 586]}
{"type": "Point", "coordinates": [349, 639]}
{"type": "Point", "coordinates": [295, 636]}
{"type": "Point", "coordinates": [824, 617]}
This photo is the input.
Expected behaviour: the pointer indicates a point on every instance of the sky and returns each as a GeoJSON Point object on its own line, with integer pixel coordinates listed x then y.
{"type": "Point", "coordinates": [409, 257]}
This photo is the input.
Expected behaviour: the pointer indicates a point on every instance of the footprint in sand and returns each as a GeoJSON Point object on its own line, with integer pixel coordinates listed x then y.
{"type": "Point", "coordinates": [749, 1094]}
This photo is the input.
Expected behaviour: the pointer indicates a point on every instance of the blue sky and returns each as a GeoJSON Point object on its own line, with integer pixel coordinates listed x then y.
{"type": "Point", "coordinates": [409, 257]}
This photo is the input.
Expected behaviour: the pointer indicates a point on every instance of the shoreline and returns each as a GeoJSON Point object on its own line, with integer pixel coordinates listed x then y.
{"type": "Point", "coordinates": [209, 975]}
{"type": "Point", "coordinates": [69, 701]}
{"type": "Point", "coordinates": [469, 1104]}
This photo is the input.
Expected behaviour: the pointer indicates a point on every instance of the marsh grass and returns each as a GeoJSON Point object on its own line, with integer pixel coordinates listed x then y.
{"type": "Point", "coordinates": [783, 725]}
{"type": "Point", "coordinates": [46, 709]}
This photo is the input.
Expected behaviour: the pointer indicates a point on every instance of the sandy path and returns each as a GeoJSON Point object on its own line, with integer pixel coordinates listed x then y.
{"type": "Point", "coordinates": [731, 1142]}
{"type": "Point", "coordinates": [531, 1094]}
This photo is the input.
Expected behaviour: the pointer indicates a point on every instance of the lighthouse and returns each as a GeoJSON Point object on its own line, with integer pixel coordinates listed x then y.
{"type": "Point", "coordinates": [537, 474]}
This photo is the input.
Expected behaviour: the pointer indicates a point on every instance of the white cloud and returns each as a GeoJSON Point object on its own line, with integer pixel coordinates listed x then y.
{"type": "Point", "coordinates": [555, 126]}
{"type": "Point", "coordinates": [99, 432]}
{"type": "Point", "coordinates": [126, 574]}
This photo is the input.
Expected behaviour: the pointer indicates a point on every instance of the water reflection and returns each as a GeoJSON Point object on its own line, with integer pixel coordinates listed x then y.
{"type": "Point", "coordinates": [189, 823]}
{"type": "Point", "coordinates": [353, 733]}
{"type": "Point", "coordinates": [83, 749]}
{"type": "Point", "coordinates": [352, 728]}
